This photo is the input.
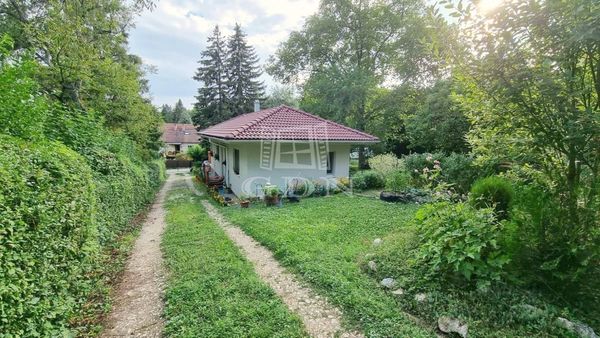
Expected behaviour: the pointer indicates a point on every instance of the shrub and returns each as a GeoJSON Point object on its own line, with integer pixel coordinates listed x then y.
{"type": "Point", "coordinates": [319, 187]}
{"type": "Point", "coordinates": [298, 187]}
{"type": "Point", "coordinates": [459, 171]}
{"type": "Point", "coordinates": [385, 164]}
{"type": "Point", "coordinates": [48, 236]}
{"type": "Point", "coordinates": [271, 190]}
{"type": "Point", "coordinates": [398, 181]}
{"type": "Point", "coordinates": [459, 240]}
{"type": "Point", "coordinates": [493, 191]}
{"type": "Point", "coordinates": [197, 153]}
{"type": "Point", "coordinates": [343, 182]}
{"type": "Point", "coordinates": [367, 179]}
{"type": "Point", "coordinates": [415, 163]}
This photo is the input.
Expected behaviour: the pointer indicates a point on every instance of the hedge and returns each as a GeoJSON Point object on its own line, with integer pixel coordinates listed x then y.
{"type": "Point", "coordinates": [56, 214]}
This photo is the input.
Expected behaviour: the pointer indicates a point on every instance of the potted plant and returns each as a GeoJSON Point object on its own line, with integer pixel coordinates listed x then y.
{"type": "Point", "coordinates": [272, 194]}
{"type": "Point", "coordinates": [244, 201]}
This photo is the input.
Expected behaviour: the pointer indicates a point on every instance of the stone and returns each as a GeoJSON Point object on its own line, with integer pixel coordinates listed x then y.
{"type": "Point", "coordinates": [453, 325]}
{"type": "Point", "coordinates": [580, 329]}
{"type": "Point", "coordinates": [372, 265]}
{"type": "Point", "coordinates": [398, 292]}
{"type": "Point", "coordinates": [377, 241]}
{"type": "Point", "coordinates": [421, 297]}
{"type": "Point", "coordinates": [388, 283]}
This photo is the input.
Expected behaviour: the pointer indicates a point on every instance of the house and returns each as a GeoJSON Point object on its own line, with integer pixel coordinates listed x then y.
{"type": "Point", "coordinates": [178, 137]}
{"type": "Point", "coordinates": [278, 146]}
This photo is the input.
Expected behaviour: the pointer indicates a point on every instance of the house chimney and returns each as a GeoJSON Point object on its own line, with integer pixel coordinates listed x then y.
{"type": "Point", "coordinates": [256, 105]}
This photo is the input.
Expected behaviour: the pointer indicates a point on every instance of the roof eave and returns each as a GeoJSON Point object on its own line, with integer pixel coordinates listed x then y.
{"type": "Point", "coordinates": [225, 138]}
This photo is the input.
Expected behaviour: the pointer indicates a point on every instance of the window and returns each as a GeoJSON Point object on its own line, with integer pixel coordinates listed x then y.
{"type": "Point", "coordinates": [296, 155]}
{"type": "Point", "coordinates": [330, 161]}
{"type": "Point", "coordinates": [236, 161]}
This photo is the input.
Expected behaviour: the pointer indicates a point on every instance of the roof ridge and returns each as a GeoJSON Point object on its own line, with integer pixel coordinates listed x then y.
{"type": "Point", "coordinates": [326, 120]}
{"type": "Point", "coordinates": [248, 124]}
{"type": "Point", "coordinates": [252, 123]}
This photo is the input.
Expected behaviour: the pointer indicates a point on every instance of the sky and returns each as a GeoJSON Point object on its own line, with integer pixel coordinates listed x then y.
{"type": "Point", "coordinates": [171, 37]}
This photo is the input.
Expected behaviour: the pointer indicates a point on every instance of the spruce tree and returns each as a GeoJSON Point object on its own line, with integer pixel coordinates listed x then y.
{"type": "Point", "coordinates": [167, 112]}
{"type": "Point", "coordinates": [180, 113]}
{"type": "Point", "coordinates": [242, 74]}
{"type": "Point", "coordinates": [211, 106]}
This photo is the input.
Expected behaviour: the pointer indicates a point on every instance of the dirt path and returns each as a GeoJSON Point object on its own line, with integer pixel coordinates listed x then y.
{"type": "Point", "coordinates": [138, 304]}
{"type": "Point", "coordinates": [320, 318]}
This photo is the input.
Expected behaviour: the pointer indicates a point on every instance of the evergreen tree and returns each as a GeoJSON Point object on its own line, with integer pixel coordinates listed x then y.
{"type": "Point", "coordinates": [242, 74]}
{"type": "Point", "coordinates": [211, 106]}
{"type": "Point", "coordinates": [180, 114]}
{"type": "Point", "coordinates": [166, 112]}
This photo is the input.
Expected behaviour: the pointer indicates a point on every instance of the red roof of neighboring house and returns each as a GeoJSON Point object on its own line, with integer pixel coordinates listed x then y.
{"type": "Point", "coordinates": [284, 123]}
{"type": "Point", "coordinates": [178, 133]}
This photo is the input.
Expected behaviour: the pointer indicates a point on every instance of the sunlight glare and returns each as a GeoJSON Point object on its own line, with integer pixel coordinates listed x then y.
{"type": "Point", "coordinates": [487, 6]}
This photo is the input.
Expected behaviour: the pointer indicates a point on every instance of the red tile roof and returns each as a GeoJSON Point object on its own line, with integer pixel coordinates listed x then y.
{"type": "Point", "coordinates": [284, 123]}
{"type": "Point", "coordinates": [178, 133]}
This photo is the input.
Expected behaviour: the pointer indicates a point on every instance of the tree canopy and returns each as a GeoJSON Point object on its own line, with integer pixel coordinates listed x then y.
{"type": "Point", "coordinates": [349, 49]}
{"type": "Point", "coordinates": [229, 76]}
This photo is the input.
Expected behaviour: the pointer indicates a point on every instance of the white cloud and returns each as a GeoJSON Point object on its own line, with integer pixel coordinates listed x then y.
{"type": "Point", "coordinates": [172, 36]}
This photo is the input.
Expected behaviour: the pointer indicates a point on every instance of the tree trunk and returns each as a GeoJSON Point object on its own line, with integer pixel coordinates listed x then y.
{"type": "Point", "coordinates": [362, 160]}
{"type": "Point", "coordinates": [572, 186]}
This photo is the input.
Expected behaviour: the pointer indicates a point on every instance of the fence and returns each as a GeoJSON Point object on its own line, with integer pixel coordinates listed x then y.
{"type": "Point", "coordinates": [174, 164]}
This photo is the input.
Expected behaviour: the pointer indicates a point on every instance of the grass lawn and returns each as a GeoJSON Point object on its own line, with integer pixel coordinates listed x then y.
{"type": "Point", "coordinates": [212, 291]}
{"type": "Point", "coordinates": [325, 240]}
{"type": "Point", "coordinates": [322, 239]}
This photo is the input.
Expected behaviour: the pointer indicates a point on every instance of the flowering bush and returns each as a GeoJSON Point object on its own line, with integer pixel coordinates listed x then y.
{"type": "Point", "coordinates": [343, 183]}
{"type": "Point", "coordinates": [386, 164]}
{"type": "Point", "coordinates": [416, 163]}
{"type": "Point", "coordinates": [214, 193]}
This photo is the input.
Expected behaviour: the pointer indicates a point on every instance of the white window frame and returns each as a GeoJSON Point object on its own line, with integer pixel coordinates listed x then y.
{"type": "Point", "coordinates": [294, 153]}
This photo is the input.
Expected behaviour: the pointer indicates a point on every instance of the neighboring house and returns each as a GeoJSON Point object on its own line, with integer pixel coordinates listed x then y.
{"type": "Point", "coordinates": [278, 145]}
{"type": "Point", "coordinates": [178, 137]}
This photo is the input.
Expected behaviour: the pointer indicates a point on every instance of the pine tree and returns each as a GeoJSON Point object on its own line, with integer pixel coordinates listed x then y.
{"type": "Point", "coordinates": [211, 106]}
{"type": "Point", "coordinates": [242, 74]}
{"type": "Point", "coordinates": [180, 114]}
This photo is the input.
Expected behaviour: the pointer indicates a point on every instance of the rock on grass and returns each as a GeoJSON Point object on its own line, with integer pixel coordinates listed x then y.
{"type": "Point", "coordinates": [453, 325]}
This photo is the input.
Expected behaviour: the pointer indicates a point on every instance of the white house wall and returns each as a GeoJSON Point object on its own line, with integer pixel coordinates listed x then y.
{"type": "Point", "coordinates": [252, 176]}
{"type": "Point", "coordinates": [183, 147]}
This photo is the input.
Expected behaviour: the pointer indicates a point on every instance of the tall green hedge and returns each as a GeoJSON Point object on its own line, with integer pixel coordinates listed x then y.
{"type": "Point", "coordinates": [56, 214]}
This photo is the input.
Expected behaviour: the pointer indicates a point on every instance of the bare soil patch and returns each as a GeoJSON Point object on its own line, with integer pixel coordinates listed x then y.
{"type": "Point", "coordinates": [138, 303]}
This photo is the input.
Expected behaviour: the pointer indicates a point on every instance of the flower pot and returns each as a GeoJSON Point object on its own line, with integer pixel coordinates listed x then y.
{"type": "Point", "coordinates": [245, 204]}
{"type": "Point", "coordinates": [271, 200]}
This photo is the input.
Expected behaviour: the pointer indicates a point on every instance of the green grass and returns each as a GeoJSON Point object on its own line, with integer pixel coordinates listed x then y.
{"type": "Point", "coordinates": [321, 240]}
{"type": "Point", "coordinates": [212, 291]}
{"type": "Point", "coordinates": [325, 240]}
